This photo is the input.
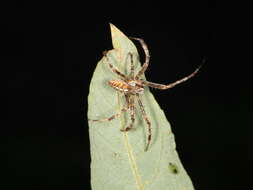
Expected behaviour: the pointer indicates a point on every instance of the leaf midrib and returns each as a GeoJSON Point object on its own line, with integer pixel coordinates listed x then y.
{"type": "Point", "coordinates": [131, 157]}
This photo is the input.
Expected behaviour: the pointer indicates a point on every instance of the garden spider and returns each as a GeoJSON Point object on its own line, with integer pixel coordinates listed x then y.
{"type": "Point", "coordinates": [132, 86]}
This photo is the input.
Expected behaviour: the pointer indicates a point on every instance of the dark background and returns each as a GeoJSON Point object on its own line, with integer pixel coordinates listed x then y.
{"type": "Point", "coordinates": [51, 51]}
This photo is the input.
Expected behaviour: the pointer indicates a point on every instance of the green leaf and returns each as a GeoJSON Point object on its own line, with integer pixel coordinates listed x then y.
{"type": "Point", "coordinates": [118, 159]}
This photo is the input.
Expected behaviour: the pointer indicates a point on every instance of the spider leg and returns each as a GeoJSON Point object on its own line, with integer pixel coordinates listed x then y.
{"type": "Point", "coordinates": [147, 57]}
{"type": "Point", "coordinates": [147, 121]}
{"type": "Point", "coordinates": [132, 115]}
{"type": "Point", "coordinates": [171, 85]}
{"type": "Point", "coordinates": [132, 66]}
{"type": "Point", "coordinates": [113, 116]}
{"type": "Point", "coordinates": [112, 67]}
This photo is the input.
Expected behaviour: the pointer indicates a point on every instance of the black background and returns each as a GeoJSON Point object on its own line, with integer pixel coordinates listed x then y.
{"type": "Point", "coordinates": [51, 51]}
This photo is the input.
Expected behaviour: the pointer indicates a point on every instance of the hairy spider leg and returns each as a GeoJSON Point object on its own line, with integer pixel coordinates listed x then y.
{"type": "Point", "coordinates": [171, 85]}
{"type": "Point", "coordinates": [132, 66]}
{"type": "Point", "coordinates": [144, 115]}
{"type": "Point", "coordinates": [113, 68]}
{"type": "Point", "coordinates": [147, 57]}
{"type": "Point", "coordinates": [125, 108]}
{"type": "Point", "coordinates": [132, 114]}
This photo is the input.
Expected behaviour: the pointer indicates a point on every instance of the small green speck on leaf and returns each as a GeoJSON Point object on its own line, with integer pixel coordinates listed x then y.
{"type": "Point", "coordinates": [173, 168]}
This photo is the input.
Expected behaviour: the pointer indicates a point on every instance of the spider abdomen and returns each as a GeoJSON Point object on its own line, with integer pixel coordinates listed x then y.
{"type": "Point", "coordinates": [131, 86]}
{"type": "Point", "coordinates": [119, 85]}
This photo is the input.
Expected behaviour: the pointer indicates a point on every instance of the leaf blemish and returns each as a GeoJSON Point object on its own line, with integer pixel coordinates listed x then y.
{"type": "Point", "coordinates": [115, 155]}
{"type": "Point", "coordinates": [173, 168]}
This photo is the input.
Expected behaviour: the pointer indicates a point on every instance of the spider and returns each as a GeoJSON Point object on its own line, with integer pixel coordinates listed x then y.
{"type": "Point", "coordinates": [132, 87]}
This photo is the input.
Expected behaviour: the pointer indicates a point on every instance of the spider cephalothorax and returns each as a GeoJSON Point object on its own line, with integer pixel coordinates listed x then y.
{"type": "Point", "coordinates": [132, 86]}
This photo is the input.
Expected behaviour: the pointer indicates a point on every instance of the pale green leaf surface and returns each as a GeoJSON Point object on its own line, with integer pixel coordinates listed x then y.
{"type": "Point", "coordinates": [118, 160]}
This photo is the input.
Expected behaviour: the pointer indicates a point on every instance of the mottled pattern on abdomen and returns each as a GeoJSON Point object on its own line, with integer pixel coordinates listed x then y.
{"type": "Point", "coordinates": [119, 85]}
